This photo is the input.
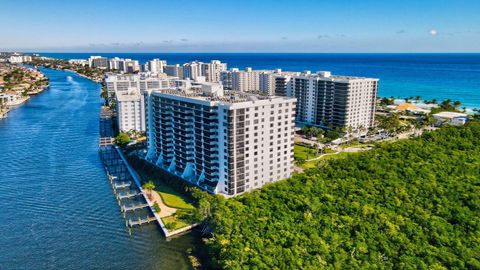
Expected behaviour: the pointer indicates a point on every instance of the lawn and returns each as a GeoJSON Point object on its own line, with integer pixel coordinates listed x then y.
{"type": "Point", "coordinates": [313, 163]}
{"type": "Point", "coordinates": [304, 152]}
{"type": "Point", "coordinates": [174, 223]}
{"type": "Point", "coordinates": [173, 198]}
{"type": "Point", "coordinates": [170, 197]}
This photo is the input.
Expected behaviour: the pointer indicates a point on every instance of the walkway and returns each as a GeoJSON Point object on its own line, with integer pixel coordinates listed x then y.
{"type": "Point", "coordinates": [165, 210]}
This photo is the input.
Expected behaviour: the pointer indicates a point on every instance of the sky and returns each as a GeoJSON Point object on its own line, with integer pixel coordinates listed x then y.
{"type": "Point", "coordinates": [240, 26]}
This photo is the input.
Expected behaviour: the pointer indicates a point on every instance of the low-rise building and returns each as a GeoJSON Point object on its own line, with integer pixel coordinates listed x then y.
{"type": "Point", "coordinates": [452, 118]}
{"type": "Point", "coordinates": [80, 62]}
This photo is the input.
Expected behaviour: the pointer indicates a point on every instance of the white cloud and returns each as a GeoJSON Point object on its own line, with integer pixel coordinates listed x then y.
{"type": "Point", "coordinates": [433, 32]}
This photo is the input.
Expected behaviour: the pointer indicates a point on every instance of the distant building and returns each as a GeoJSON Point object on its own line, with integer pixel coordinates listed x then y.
{"type": "Point", "coordinates": [407, 107]}
{"type": "Point", "coordinates": [211, 71]}
{"type": "Point", "coordinates": [249, 80]}
{"type": "Point", "coordinates": [142, 81]}
{"type": "Point", "coordinates": [204, 72]}
{"type": "Point", "coordinates": [16, 59]}
{"type": "Point", "coordinates": [98, 62]}
{"type": "Point", "coordinates": [124, 65]}
{"type": "Point", "coordinates": [452, 118]}
{"type": "Point", "coordinates": [155, 65]}
{"type": "Point", "coordinates": [130, 111]}
{"type": "Point", "coordinates": [225, 142]}
{"type": "Point", "coordinates": [80, 62]}
{"type": "Point", "coordinates": [324, 99]}
{"type": "Point", "coordinates": [192, 70]}
{"type": "Point", "coordinates": [116, 64]}
{"type": "Point", "coordinates": [174, 70]}
{"type": "Point", "coordinates": [10, 98]}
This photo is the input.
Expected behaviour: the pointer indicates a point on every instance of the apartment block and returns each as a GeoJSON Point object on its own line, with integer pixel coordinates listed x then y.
{"type": "Point", "coordinates": [98, 62]}
{"type": "Point", "coordinates": [174, 70]}
{"type": "Point", "coordinates": [199, 71]}
{"type": "Point", "coordinates": [324, 99]}
{"type": "Point", "coordinates": [211, 71]}
{"type": "Point", "coordinates": [116, 83]}
{"type": "Point", "coordinates": [155, 65]}
{"type": "Point", "coordinates": [226, 142]}
{"type": "Point", "coordinates": [130, 111]}
{"type": "Point", "coordinates": [249, 80]}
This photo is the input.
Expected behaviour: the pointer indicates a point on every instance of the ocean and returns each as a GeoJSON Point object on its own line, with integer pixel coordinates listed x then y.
{"type": "Point", "coordinates": [455, 76]}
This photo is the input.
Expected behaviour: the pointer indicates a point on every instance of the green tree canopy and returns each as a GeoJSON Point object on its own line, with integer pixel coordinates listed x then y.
{"type": "Point", "coordinates": [412, 204]}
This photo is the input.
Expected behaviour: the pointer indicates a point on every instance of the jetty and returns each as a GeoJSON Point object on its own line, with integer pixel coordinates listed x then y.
{"type": "Point", "coordinates": [126, 186]}
{"type": "Point", "coordinates": [134, 203]}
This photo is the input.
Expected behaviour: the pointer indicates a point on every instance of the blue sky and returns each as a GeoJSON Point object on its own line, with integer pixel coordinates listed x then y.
{"type": "Point", "coordinates": [240, 26]}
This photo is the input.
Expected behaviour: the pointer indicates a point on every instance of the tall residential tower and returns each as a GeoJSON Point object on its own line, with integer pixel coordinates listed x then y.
{"type": "Point", "coordinates": [225, 142]}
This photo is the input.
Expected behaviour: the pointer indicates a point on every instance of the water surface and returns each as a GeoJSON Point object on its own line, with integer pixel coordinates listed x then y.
{"type": "Point", "coordinates": [57, 210]}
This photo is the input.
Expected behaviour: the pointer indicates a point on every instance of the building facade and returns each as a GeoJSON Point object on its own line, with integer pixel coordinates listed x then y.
{"type": "Point", "coordinates": [98, 62]}
{"type": "Point", "coordinates": [116, 83]}
{"type": "Point", "coordinates": [211, 71]}
{"type": "Point", "coordinates": [249, 80]}
{"type": "Point", "coordinates": [130, 111]}
{"type": "Point", "coordinates": [225, 142]}
{"type": "Point", "coordinates": [174, 70]}
{"type": "Point", "coordinates": [327, 100]}
{"type": "Point", "coordinates": [155, 65]}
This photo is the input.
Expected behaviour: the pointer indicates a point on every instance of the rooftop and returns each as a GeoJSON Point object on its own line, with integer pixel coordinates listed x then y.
{"type": "Point", "coordinates": [450, 114]}
{"type": "Point", "coordinates": [215, 94]}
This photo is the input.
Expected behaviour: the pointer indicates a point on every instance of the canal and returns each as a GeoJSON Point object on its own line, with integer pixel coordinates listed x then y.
{"type": "Point", "coordinates": [57, 210]}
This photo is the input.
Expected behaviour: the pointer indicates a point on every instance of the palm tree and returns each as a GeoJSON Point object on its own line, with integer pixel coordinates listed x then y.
{"type": "Point", "coordinates": [447, 103]}
{"type": "Point", "coordinates": [149, 186]}
{"type": "Point", "coordinates": [456, 104]}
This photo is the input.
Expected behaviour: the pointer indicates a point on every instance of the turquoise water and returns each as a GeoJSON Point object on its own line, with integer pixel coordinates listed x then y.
{"type": "Point", "coordinates": [439, 76]}
{"type": "Point", "coordinates": [57, 207]}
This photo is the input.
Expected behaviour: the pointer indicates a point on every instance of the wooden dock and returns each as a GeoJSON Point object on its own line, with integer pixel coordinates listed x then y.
{"type": "Point", "coordinates": [133, 207]}
{"type": "Point", "coordinates": [128, 195]}
{"type": "Point", "coordinates": [140, 221]}
{"type": "Point", "coordinates": [122, 185]}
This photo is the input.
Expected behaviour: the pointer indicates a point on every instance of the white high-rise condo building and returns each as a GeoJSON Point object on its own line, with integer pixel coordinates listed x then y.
{"type": "Point", "coordinates": [117, 64]}
{"type": "Point", "coordinates": [225, 142]}
{"type": "Point", "coordinates": [211, 71]}
{"type": "Point", "coordinates": [142, 81]}
{"type": "Point", "coordinates": [131, 66]}
{"type": "Point", "coordinates": [199, 71]}
{"type": "Point", "coordinates": [130, 111]}
{"type": "Point", "coordinates": [156, 65]}
{"type": "Point", "coordinates": [173, 70]}
{"type": "Point", "coordinates": [324, 99]}
{"type": "Point", "coordinates": [192, 70]}
{"type": "Point", "coordinates": [249, 80]}
{"type": "Point", "coordinates": [98, 62]}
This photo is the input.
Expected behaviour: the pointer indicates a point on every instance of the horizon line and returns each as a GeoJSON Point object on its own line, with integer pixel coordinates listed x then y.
{"type": "Point", "coordinates": [153, 52]}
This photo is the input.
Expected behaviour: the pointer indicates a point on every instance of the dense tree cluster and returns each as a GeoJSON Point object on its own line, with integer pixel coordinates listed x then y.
{"type": "Point", "coordinates": [413, 204]}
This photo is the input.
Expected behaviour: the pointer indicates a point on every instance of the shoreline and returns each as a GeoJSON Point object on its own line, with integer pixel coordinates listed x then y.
{"type": "Point", "coordinates": [24, 99]}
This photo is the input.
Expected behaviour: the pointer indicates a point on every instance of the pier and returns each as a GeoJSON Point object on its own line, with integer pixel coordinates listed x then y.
{"type": "Point", "coordinates": [140, 221]}
{"type": "Point", "coordinates": [132, 200]}
{"type": "Point", "coordinates": [135, 205]}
